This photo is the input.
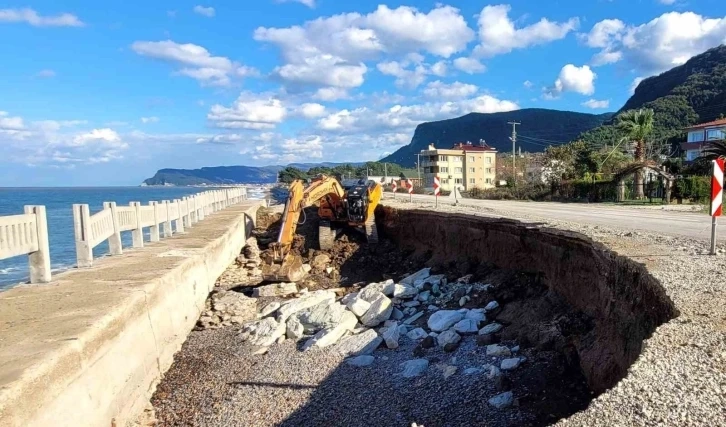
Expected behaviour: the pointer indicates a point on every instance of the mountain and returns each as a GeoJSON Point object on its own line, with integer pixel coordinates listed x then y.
{"type": "Point", "coordinates": [538, 128]}
{"type": "Point", "coordinates": [692, 93]}
{"type": "Point", "coordinates": [307, 166]}
{"type": "Point", "coordinates": [215, 175]}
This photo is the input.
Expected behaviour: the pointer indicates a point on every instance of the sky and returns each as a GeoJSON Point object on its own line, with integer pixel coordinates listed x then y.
{"type": "Point", "coordinates": [106, 93]}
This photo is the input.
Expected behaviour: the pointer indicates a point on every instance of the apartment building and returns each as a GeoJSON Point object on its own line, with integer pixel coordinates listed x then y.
{"type": "Point", "coordinates": [700, 135]}
{"type": "Point", "coordinates": [464, 165]}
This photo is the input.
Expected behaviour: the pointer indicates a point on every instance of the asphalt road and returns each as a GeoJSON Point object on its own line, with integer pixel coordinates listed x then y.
{"type": "Point", "coordinates": [675, 223]}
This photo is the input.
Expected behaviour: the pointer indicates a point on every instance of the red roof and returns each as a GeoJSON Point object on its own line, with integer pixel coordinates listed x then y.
{"type": "Point", "coordinates": [472, 147]}
{"type": "Point", "coordinates": [719, 122]}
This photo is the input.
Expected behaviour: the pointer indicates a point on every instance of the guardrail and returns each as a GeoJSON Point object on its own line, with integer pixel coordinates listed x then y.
{"type": "Point", "coordinates": [27, 234]}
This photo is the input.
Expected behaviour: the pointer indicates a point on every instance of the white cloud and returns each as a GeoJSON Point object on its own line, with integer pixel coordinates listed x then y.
{"type": "Point", "coordinates": [195, 60]}
{"type": "Point", "coordinates": [311, 110]}
{"type": "Point", "coordinates": [151, 119]}
{"type": "Point", "coordinates": [634, 84]}
{"type": "Point", "coordinates": [308, 3]}
{"type": "Point", "coordinates": [102, 136]}
{"type": "Point", "coordinates": [10, 123]}
{"type": "Point", "coordinates": [45, 74]}
{"type": "Point", "coordinates": [594, 104]}
{"type": "Point", "coordinates": [666, 2]}
{"type": "Point", "coordinates": [664, 42]}
{"type": "Point", "coordinates": [330, 94]}
{"type": "Point", "coordinates": [338, 45]}
{"type": "Point", "coordinates": [528, 84]}
{"type": "Point", "coordinates": [469, 65]}
{"type": "Point", "coordinates": [249, 111]}
{"type": "Point", "coordinates": [204, 11]}
{"type": "Point", "coordinates": [498, 34]}
{"type": "Point", "coordinates": [455, 90]}
{"type": "Point", "coordinates": [223, 139]}
{"type": "Point", "coordinates": [404, 77]}
{"type": "Point", "coordinates": [30, 16]}
{"type": "Point", "coordinates": [439, 69]}
{"type": "Point", "coordinates": [573, 79]}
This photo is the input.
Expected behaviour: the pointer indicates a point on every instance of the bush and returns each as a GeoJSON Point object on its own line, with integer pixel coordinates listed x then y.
{"type": "Point", "coordinates": [694, 188]}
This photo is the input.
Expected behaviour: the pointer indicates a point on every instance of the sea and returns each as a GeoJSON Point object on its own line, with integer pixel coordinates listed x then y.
{"type": "Point", "coordinates": [58, 203]}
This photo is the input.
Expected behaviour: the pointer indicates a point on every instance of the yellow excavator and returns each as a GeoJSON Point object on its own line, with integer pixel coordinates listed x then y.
{"type": "Point", "coordinates": [339, 207]}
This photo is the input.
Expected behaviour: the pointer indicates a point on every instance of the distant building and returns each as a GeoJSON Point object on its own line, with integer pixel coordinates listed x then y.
{"type": "Point", "coordinates": [465, 166]}
{"type": "Point", "coordinates": [700, 135]}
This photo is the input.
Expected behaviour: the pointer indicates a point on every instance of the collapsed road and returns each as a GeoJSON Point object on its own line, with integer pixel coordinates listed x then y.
{"type": "Point", "coordinates": [533, 324]}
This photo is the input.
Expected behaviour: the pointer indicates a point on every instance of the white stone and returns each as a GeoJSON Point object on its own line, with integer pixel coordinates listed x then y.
{"type": "Point", "coordinates": [404, 292]}
{"type": "Point", "coordinates": [267, 331]}
{"type": "Point", "coordinates": [269, 309]}
{"type": "Point", "coordinates": [466, 326]}
{"type": "Point", "coordinates": [491, 328]}
{"type": "Point", "coordinates": [348, 297]}
{"type": "Point", "coordinates": [307, 268]}
{"type": "Point", "coordinates": [509, 364]}
{"type": "Point", "coordinates": [472, 371]}
{"type": "Point", "coordinates": [234, 304]}
{"type": "Point", "coordinates": [413, 318]}
{"type": "Point", "coordinates": [493, 372]}
{"type": "Point", "coordinates": [436, 280]}
{"type": "Point", "coordinates": [491, 306]}
{"type": "Point", "coordinates": [413, 303]}
{"type": "Point", "coordinates": [391, 336]}
{"type": "Point", "coordinates": [355, 345]}
{"type": "Point", "coordinates": [424, 296]}
{"type": "Point", "coordinates": [388, 287]}
{"type": "Point", "coordinates": [433, 334]}
{"type": "Point", "coordinates": [371, 292]}
{"type": "Point", "coordinates": [397, 314]}
{"type": "Point", "coordinates": [329, 270]}
{"type": "Point", "coordinates": [463, 300]}
{"type": "Point", "coordinates": [502, 401]}
{"type": "Point", "coordinates": [275, 290]}
{"type": "Point", "coordinates": [326, 337]}
{"type": "Point", "coordinates": [443, 319]}
{"type": "Point", "coordinates": [380, 310]}
{"type": "Point", "coordinates": [432, 308]}
{"type": "Point", "coordinates": [417, 334]}
{"type": "Point", "coordinates": [497, 350]}
{"type": "Point", "coordinates": [413, 368]}
{"type": "Point", "coordinates": [476, 315]}
{"type": "Point", "coordinates": [448, 337]}
{"type": "Point", "coordinates": [294, 329]}
{"type": "Point", "coordinates": [304, 302]}
{"type": "Point", "coordinates": [449, 371]}
{"type": "Point", "coordinates": [358, 306]}
{"type": "Point", "coordinates": [362, 360]}
{"type": "Point", "coordinates": [259, 350]}
{"type": "Point", "coordinates": [419, 275]}
{"type": "Point", "coordinates": [325, 315]}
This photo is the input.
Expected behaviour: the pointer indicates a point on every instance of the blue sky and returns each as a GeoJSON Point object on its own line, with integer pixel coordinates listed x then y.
{"type": "Point", "coordinates": [107, 93]}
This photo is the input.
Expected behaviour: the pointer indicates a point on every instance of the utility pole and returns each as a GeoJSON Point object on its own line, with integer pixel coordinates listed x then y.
{"type": "Point", "coordinates": [418, 166]}
{"type": "Point", "coordinates": [385, 171]}
{"type": "Point", "coordinates": [514, 153]}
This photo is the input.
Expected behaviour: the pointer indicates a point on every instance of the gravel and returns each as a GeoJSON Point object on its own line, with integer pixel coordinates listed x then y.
{"type": "Point", "coordinates": [680, 377]}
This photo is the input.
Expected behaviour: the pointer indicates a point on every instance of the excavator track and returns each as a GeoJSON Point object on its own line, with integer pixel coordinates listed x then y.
{"type": "Point", "coordinates": [371, 231]}
{"type": "Point", "coordinates": [326, 236]}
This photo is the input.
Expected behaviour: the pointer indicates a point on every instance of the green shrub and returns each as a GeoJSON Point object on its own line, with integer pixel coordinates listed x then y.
{"type": "Point", "coordinates": [694, 188]}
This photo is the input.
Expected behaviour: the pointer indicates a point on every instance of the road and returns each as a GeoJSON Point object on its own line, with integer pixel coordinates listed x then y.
{"type": "Point", "coordinates": [675, 223]}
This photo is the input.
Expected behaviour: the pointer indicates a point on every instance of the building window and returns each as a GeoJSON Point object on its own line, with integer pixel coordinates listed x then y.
{"type": "Point", "coordinates": [489, 181]}
{"type": "Point", "coordinates": [696, 136]}
{"type": "Point", "coordinates": [443, 158]}
{"type": "Point", "coordinates": [472, 180]}
{"type": "Point", "coordinates": [489, 170]}
{"type": "Point", "coordinates": [458, 159]}
{"type": "Point", "coordinates": [444, 180]}
{"type": "Point", "coordinates": [692, 155]}
{"type": "Point", "coordinates": [458, 170]}
{"type": "Point", "coordinates": [472, 158]}
{"type": "Point", "coordinates": [472, 170]}
{"type": "Point", "coordinates": [715, 134]}
{"type": "Point", "coordinates": [458, 181]}
{"type": "Point", "coordinates": [444, 169]}
{"type": "Point", "coordinates": [489, 160]}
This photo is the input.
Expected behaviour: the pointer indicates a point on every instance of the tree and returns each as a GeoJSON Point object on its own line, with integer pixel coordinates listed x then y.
{"type": "Point", "coordinates": [289, 174]}
{"type": "Point", "coordinates": [637, 126]}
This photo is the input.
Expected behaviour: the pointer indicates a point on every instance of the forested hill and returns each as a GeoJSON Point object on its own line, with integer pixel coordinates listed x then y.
{"type": "Point", "coordinates": [538, 126]}
{"type": "Point", "coordinates": [692, 93]}
{"type": "Point", "coordinates": [215, 175]}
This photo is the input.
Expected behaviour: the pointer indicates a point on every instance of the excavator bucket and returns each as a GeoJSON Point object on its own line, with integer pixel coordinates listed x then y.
{"type": "Point", "coordinates": [290, 269]}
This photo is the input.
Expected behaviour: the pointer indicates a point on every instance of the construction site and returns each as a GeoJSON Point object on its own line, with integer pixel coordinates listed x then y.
{"type": "Point", "coordinates": [453, 316]}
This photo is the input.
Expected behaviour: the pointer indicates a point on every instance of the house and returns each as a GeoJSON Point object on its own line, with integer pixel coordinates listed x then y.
{"type": "Point", "coordinates": [464, 166]}
{"type": "Point", "coordinates": [699, 137]}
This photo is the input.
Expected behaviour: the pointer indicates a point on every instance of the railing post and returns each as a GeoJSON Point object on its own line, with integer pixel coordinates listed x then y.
{"type": "Point", "coordinates": [137, 234]}
{"type": "Point", "coordinates": [39, 261]}
{"type": "Point", "coordinates": [201, 200]}
{"type": "Point", "coordinates": [154, 230]}
{"type": "Point", "coordinates": [114, 242]}
{"type": "Point", "coordinates": [227, 200]}
{"type": "Point", "coordinates": [180, 219]}
{"type": "Point", "coordinates": [167, 224]}
{"type": "Point", "coordinates": [81, 219]}
{"type": "Point", "coordinates": [187, 202]}
{"type": "Point", "coordinates": [193, 210]}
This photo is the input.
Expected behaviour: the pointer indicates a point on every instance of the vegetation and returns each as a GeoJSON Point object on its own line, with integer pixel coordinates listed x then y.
{"type": "Point", "coordinates": [215, 175]}
{"type": "Point", "coordinates": [290, 173]}
{"type": "Point", "coordinates": [637, 125]}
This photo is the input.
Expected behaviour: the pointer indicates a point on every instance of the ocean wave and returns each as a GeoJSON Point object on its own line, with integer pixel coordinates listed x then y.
{"type": "Point", "coordinates": [9, 270]}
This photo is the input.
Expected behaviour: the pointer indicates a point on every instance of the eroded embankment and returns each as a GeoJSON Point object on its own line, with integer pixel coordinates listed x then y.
{"type": "Point", "coordinates": [619, 302]}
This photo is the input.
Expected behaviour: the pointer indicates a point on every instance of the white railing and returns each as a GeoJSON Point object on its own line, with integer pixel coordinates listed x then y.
{"type": "Point", "coordinates": [158, 217]}
{"type": "Point", "coordinates": [27, 234]}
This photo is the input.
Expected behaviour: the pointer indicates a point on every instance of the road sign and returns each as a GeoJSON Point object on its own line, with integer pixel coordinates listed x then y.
{"type": "Point", "coordinates": [437, 186]}
{"type": "Point", "coordinates": [409, 184]}
{"type": "Point", "coordinates": [716, 198]}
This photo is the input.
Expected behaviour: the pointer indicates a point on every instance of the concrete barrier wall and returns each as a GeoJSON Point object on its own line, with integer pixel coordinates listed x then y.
{"type": "Point", "coordinates": [106, 375]}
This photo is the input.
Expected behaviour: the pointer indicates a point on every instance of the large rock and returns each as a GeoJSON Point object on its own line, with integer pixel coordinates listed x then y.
{"type": "Point", "coordinates": [362, 360]}
{"type": "Point", "coordinates": [329, 336]}
{"type": "Point", "coordinates": [325, 315]}
{"type": "Point", "coordinates": [493, 305]}
{"type": "Point", "coordinates": [491, 328]}
{"type": "Point", "coordinates": [269, 309]}
{"type": "Point", "coordinates": [510, 364]}
{"type": "Point", "coordinates": [419, 275]}
{"type": "Point", "coordinates": [275, 290]}
{"type": "Point", "coordinates": [320, 261]}
{"type": "Point", "coordinates": [304, 302]}
{"type": "Point", "coordinates": [294, 329]}
{"type": "Point", "coordinates": [497, 350]}
{"type": "Point", "coordinates": [355, 345]}
{"type": "Point", "coordinates": [391, 336]}
{"type": "Point", "coordinates": [234, 304]}
{"type": "Point", "coordinates": [477, 315]}
{"type": "Point", "coordinates": [448, 337]}
{"type": "Point", "coordinates": [380, 310]}
{"type": "Point", "coordinates": [358, 306]}
{"type": "Point", "coordinates": [267, 331]}
{"type": "Point", "coordinates": [503, 400]}
{"type": "Point", "coordinates": [443, 320]}
{"type": "Point", "coordinates": [404, 291]}
{"type": "Point", "coordinates": [413, 368]}
{"type": "Point", "coordinates": [417, 334]}
{"type": "Point", "coordinates": [466, 326]}
{"type": "Point", "coordinates": [370, 292]}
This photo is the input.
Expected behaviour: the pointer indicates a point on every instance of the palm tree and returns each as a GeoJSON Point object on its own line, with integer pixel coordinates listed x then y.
{"type": "Point", "coordinates": [637, 126]}
{"type": "Point", "coordinates": [714, 150]}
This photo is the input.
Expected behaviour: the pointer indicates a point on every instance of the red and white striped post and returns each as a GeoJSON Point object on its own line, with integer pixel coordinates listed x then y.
{"type": "Point", "coordinates": [437, 190]}
{"type": "Point", "coordinates": [409, 184]}
{"type": "Point", "coordinates": [716, 198]}
{"type": "Point", "coordinates": [394, 187]}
